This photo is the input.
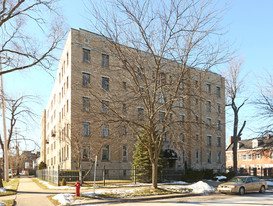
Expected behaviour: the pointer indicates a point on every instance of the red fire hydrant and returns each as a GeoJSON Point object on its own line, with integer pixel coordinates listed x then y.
{"type": "Point", "coordinates": [78, 187]}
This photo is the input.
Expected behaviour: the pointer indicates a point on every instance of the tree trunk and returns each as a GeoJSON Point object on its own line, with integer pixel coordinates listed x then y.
{"type": "Point", "coordinates": [154, 174]}
{"type": "Point", "coordinates": [235, 141]}
{"type": "Point", "coordinates": [1, 182]}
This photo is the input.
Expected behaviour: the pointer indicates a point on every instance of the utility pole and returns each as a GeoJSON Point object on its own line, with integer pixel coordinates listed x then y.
{"type": "Point", "coordinates": [4, 127]}
{"type": "Point", "coordinates": [17, 154]}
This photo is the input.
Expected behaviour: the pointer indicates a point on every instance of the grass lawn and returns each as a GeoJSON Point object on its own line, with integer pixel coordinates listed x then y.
{"type": "Point", "coordinates": [11, 187]}
{"type": "Point", "coordinates": [9, 202]}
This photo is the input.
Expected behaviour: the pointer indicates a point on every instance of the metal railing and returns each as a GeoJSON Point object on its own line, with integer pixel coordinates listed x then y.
{"type": "Point", "coordinates": [103, 176]}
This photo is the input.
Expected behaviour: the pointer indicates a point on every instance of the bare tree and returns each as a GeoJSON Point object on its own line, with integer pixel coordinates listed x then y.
{"type": "Point", "coordinates": [20, 22]}
{"type": "Point", "coordinates": [18, 113]}
{"type": "Point", "coordinates": [234, 86]}
{"type": "Point", "coordinates": [164, 43]}
{"type": "Point", "coordinates": [264, 104]}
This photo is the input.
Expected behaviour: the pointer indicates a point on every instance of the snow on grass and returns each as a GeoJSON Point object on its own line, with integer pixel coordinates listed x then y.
{"type": "Point", "coordinates": [49, 186]}
{"type": "Point", "coordinates": [199, 187]}
{"type": "Point", "coordinates": [176, 183]}
{"type": "Point", "coordinates": [64, 199]}
{"type": "Point", "coordinates": [2, 189]}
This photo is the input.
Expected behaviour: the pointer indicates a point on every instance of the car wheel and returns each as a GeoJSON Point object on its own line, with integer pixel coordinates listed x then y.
{"type": "Point", "coordinates": [241, 191]}
{"type": "Point", "coordinates": [262, 190]}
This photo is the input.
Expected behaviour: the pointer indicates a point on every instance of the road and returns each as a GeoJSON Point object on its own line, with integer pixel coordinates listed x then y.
{"type": "Point", "coordinates": [254, 199]}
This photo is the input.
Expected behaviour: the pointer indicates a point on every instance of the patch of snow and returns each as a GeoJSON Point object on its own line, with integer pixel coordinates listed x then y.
{"type": "Point", "coordinates": [2, 189]}
{"type": "Point", "coordinates": [269, 183]}
{"type": "Point", "coordinates": [64, 199]}
{"type": "Point", "coordinates": [49, 186]}
{"type": "Point", "coordinates": [220, 178]}
{"type": "Point", "coordinates": [176, 183]}
{"type": "Point", "coordinates": [201, 187]}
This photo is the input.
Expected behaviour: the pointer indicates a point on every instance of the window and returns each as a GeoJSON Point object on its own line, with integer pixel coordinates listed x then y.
{"type": "Point", "coordinates": [244, 157]}
{"type": "Point", "coordinates": [161, 116]}
{"type": "Point", "coordinates": [218, 108]}
{"type": "Point", "coordinates": [124, 85]}
{"type": "Point", "coordinates": [208, 140]}
{"type": "Point", "coordinates": [104, 106]}
{"type": "Point", "coordinates": [249, 156]}
{"type": "Point", "coordinates": [218, 92]}
{"type": "Point", "coordinates": [219, 157]}
{"type": "Point", "coordinates": [196, 118]}
{"type": "Point", "coordinates": [124, 153]}
{"type": "Point", "coordinates": [86, 152]}
{"type": "Point", "coordinates": [181, 118]}
{"type": "Point", "coordinates": [160, 99]}
{"type": "Point", "coordinates": [209, 156]}
{"type": "Point", "coordinates": [86, 129]}
{"type": "Point", "coordinates": [181, 85]}
{"type": "Point", "coordinates": [105, 130]}
{"type": "Point", "coordinates": [257, 156]}
{"type": "Point", "coordinates": [124, 109]}
{"type": "Point", "coordinates": [208, 122]}
{"type": "Point", "coordinates": [218, 125]}
{"type": "Point", "coordinates": [208, 88]}
{"type": "Point", "coordinates": [105, 60]}
{"type": "Point", "coordinates": [124, 130]}
{"type": "Point", "coordinates": [139, 73]}
{"type": "Point", "coordinates": [105, 83]}
{"type": "Point", "coordinates": [105, 153]}
{"type": "Point", "coordinates": [181, 136]}
{"type": "Point", "coordinates": [197, 156]}
{"type": "Point", "coordinates": [162, 79]}
{"type": "Point", "coordinates": [208, 106]}
{"type": "Point", "coordinates": [86, 55]}
{"type": "Point", "coordinates": [140, 113]}
{"type": "Point", "coordinates": [85, 104]}
{"type": "Point", "coordinates": [196, 84]}
{"type": "Point", "coordinates": [218, 141]}
{"type": "Point", "coordinates": [181, 103]}
{"type": "Point", "coordinates": [85, 79]}
{"type": "Point", "coordinates": [228, 158]}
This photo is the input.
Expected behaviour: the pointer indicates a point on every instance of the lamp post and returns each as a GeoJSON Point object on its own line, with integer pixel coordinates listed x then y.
{"type": "Point", "coordinates": [4, 128]}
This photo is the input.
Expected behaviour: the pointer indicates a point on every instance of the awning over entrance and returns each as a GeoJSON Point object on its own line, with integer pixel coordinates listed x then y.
{"type": "Point", "coordinates": [170, 154]}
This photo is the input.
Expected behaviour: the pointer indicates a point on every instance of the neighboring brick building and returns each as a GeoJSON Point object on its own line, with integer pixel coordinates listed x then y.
{"type": "Point", "coordinates": [88, 71]}
{"type": "Point", "coordinates": [252, 153]}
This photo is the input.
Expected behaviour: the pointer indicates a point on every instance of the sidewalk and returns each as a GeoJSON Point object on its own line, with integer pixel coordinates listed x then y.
{"type": "Point", "coordinates": [30, 194]}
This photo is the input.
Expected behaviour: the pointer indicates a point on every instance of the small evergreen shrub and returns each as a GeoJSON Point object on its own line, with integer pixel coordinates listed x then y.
{"type": "Point", "coordinates": [63, 183]}
{"type": "Point", "coordinates": [42, 165]}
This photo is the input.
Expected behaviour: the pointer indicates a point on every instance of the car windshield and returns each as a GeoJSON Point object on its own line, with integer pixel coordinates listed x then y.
{"type": "Point", "coordinates": [238, 179]}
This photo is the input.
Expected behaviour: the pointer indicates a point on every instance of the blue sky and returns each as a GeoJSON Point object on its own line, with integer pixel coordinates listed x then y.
{"type": "Point", "coordinates": [250, 30]}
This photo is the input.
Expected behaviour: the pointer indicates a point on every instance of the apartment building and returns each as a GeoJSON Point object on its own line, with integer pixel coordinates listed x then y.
{"type": "Point", "coordinates": [92, 85]}
{"type": "Point", "coordinates": [252, 153]}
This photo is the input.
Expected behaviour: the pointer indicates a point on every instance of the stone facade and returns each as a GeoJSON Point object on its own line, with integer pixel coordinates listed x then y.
{"type": "Point", "coordinates": [90, 76]}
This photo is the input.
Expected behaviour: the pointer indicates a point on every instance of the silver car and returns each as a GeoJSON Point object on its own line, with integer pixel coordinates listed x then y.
{"type": "Point", "coordinates": [242, 185]}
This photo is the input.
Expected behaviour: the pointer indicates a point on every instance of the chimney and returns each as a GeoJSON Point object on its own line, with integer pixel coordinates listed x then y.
{"type": "Point", "coordinates": [231, 139]}
{"type": "Point", "coordinates": [268, 136]}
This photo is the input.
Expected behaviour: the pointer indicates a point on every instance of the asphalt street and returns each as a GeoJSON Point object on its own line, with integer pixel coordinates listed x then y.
{"type": "Point", "coordinates": [255, 199]}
